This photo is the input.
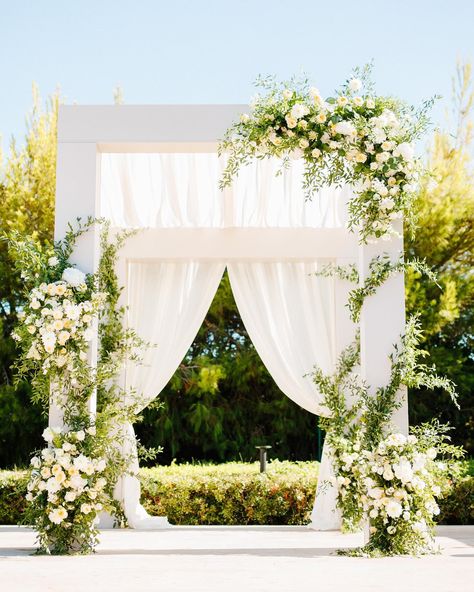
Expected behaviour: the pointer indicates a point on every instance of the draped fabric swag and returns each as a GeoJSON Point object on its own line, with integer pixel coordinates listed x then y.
{"type": "Point", "coordinates": [289, 313]}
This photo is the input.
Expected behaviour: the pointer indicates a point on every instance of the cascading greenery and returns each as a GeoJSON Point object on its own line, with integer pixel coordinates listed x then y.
{"type": "Point", "coordinates": [73, 479]}
{"type": "Point", "coordinates": [366, 141]}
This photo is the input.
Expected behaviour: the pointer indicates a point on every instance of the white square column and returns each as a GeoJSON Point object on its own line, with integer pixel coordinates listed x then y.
{"type": "Point", "coordinates": [77, 196]}
{"type": "Point", "coordinates": [382, 323]}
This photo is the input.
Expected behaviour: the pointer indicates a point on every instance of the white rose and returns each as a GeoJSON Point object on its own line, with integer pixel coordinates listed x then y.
{"type": "Point", "coordinates": [53, 261]}
{"type": "Point", "coordinates": [394, 509]}
{"type": "Point", "coordinates": [345, 128]}
{"type": "Point", "coordinates": [303, 143]}
{"type": "Point", "coordinates": [101, 465]}
{"type": "Point", "coordinates": [35, 462]}
{"type": "Point", "coordinates": [296, 154]}
{"type": "Point", "coordinates": [355, 84]}
{"type": "Point", "coordinates": [403, 471]}
{"type": "Point", "coordinates": [299, 110]}
{"type": "Point", "coordinates": [80, 435]}
{"type": "Point", "coordinates": [287, 93]}
{"type": "Point", "coordinates": [291, 121]}
{"type": "Point", "coordinates": [316, 153]}
{"type": "Point", "coordinates": [314, 94]}
{"type": "Point", "coordinates": [74, 277]}
{"type": "Point", "coordinates": [50, 433]}
{"type": "Point", "coordinates": [375, 493]}
{"type": "Point", "coordinates": [86, 508]}
{"type": "Point", "coordinates": [379, 135]}
{"type": "Point", "coordinates": [57, 515]}
{"type": "Point", "coordinates": [70, 496]}
{"type": "Point", "coordinates": [405, 150]}
{"type": "Point", "coordinates": [391, 529]}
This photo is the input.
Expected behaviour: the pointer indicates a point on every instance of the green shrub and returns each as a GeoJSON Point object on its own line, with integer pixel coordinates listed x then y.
{"type": "Point", "coordinates": [12, 496]}
{"type": "Point", "coordinates": [234, 493]}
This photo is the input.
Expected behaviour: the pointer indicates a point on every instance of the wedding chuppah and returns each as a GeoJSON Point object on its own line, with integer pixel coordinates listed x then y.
{"type": "Point", "coordinates": [157, 169]}
{"type": "Point", "coordinates": [302, 200]}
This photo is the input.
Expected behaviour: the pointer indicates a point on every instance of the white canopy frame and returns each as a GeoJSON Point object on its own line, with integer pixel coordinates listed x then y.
{"type": "Point", "coordinates": [85, 132]}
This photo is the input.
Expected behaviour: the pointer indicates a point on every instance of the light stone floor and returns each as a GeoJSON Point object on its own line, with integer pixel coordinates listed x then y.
{"type": "Point", "coordinates": [221, 559]}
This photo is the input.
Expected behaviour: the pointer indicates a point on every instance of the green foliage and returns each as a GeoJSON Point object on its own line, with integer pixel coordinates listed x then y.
{"type": "Point", "coordinates": [27, 189]}
{"type": "Point", "coordinates": [444, 209]}
{"type": "Point", "coordinates": [235, 493]}
{"type": "Point", "coordinates": [362, 140]}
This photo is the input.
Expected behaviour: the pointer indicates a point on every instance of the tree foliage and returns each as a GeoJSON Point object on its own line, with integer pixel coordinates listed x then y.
{"type": "Point", "coordinates": [222, 402]}
{"type": "Point", "coordinates": [27, 189]}
{"type": "Point", "coordinates": [445, 240]}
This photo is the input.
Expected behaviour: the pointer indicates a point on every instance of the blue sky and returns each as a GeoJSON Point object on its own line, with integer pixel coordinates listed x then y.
{"type": "Point", "coordinates": [210, 51]}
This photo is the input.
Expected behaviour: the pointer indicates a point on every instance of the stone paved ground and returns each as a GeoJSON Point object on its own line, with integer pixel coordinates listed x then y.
{"type": "Point", "coordinates": [221, 559]}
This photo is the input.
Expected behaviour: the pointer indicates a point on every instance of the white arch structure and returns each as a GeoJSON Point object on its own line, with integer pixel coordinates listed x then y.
{"type": "Point", "coordinates": [86, 133]}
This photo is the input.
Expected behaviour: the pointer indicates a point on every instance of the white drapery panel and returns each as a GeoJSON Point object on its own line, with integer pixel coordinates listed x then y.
{"type": "Point", "coordinates": [167, 305]}
{"type": "Point", "coordinates": [180, 190]}
{"type": "Point", "coordinates": [289, 314]}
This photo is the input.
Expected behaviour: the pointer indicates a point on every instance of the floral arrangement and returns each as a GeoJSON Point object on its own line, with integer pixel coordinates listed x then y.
{"type": "Point", "coordinates": [355, 137]}
{"type": "Point", "coordinates": [402, 481]}
{"type": "Point", "coordinates": [67, 489]}
{"type": "Point", "coordinates": [72, 480]}
{"type": "Point", "coordinates": [57, 325]}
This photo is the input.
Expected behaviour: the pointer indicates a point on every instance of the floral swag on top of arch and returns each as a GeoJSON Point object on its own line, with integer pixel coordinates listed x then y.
{"type": "Point", "coordinates": [385, 478]}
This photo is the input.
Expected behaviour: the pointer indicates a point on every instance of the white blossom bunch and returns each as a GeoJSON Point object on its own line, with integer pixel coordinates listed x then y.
{"type": "Point", "coordinates": [346, 456]}
{"type": "Point", "coordinates": [402, 480]}
{"type": "Point", "coordinates": [354, 137]}
{"type": "Point", "coordinates": [57, 323]}
{"type": "Point", "coordinates": [67, 486]}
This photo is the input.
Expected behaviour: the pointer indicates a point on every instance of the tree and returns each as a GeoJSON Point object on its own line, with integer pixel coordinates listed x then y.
{"type": "Point", "coordinates": [27, 190]}
{"type": "Point", "coordinates": [445, 238]}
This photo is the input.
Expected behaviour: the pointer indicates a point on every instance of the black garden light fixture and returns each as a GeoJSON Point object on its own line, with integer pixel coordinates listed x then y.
{"type": "Point", "coordinates": [263, 457]}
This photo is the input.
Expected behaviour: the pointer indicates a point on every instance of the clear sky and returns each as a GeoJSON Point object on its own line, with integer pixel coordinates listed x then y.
{"type": "Point", "coordinates": [210, 51]}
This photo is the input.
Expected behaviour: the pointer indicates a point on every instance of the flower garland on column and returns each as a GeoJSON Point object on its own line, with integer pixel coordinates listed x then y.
{"type": "Point", "coordinates": [73, 477]}
{"type": "Point", "coordinates": [365, 140]}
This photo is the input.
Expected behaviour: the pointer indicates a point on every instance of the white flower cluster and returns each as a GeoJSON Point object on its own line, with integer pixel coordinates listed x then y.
{"type": "Point", "coordinates": [361, 130]}
{"type": "Point", "coordinates": [401, 485]}
{"type": "Point", "coordinates": [65, 483]}
{"type": "Point", "coordinates": [59, 322]}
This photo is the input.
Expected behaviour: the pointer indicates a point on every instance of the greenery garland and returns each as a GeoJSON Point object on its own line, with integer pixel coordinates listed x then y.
{"type": "Point", "coordinates": [353, 137]}
{"type": "Point", "coordinates": [364, 140]}
{"type": "Point", "coordinates": [73, 478]}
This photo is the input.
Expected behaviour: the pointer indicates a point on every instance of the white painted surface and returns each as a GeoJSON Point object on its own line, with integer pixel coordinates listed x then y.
{"type": "Point", "coordinates": [240, 559]}
{"type": "Point", "coordinates": [83, 132]}
{"type": "Point", "coordinates": [383, 323]}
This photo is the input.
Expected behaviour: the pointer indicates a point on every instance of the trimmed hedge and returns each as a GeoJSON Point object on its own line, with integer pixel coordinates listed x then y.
{"type": "Point", "coordinates": [232, 493]}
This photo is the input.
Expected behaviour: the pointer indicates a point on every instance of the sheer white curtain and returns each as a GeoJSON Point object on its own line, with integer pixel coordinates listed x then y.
{"type": "Point", "coordinates": [167, 304]}
{"type": "Point", "coordinates": [289, 314]}
{"type": "Point", "coordinates": [181, 191]}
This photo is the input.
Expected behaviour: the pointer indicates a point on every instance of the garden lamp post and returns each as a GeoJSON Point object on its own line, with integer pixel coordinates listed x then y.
{"type": "Point", "coordinates": [263, 457]}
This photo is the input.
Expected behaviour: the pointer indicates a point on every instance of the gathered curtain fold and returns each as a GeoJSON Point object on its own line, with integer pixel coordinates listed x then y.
{"type": "Point", "coordinates": [167, 304]}
{"type": "Point", "coordinates": [289, 314]}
